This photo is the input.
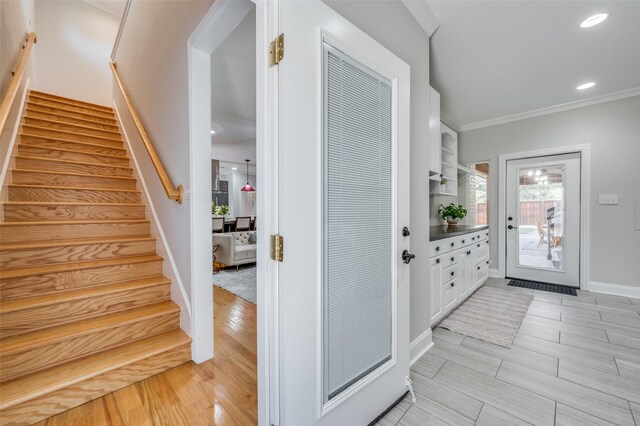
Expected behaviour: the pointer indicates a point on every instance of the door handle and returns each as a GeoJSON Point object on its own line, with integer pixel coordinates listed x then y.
{"type": "Point", "coordinates": [512, 227]}
{"type": "Point", "coordinates": [406, 256]}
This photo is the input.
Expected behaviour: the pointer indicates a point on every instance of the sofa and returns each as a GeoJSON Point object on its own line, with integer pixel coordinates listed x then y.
{"type": "Point", "coordinates": [235, 248]}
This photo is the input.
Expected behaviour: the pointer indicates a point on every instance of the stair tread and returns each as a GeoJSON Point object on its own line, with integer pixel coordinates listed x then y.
{"type": "Point", "coordinates": [22, 342]}
{"type": "Point", "coordinates": [48, 129]}
{"type": "Point", "coordinates": [73, 222]}
{"type": "Point", "coordinates": [47, 172]}
{"type": "Point", "coordinates": [75, 188]}
{"type": "Point", "coordinates": [66, 203]}
{"type": "Point", "coordinates": [54, 139]}
{"type": "Point", "coordinates": [73, 242]}
{"type": "Point", "coordinates": [60, 110]}
{"type": "Point", "coordinates": [74, 266]}
{"type": "Point", "coordinates": [83, 293]}
{"type": "Point", "coordinates": [78, 152]}
{"type": "Point", "coordinates": [41, 94]}
{"type": "Point", "coordinates": [80, 126]}
{"type": "Point", "coordinates": [59, 115]}
{"type": "Point", "coordinates": [88, 108]}
{"type": "Point", "coordinates": [34, 385]}
{"type": "Point", "coordinates": [57, 160]}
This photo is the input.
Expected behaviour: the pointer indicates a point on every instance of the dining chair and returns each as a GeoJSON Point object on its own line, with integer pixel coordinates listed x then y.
{"type": "Point", "coordinates": [243, 223]}
{"type": "Point", "coordinates": [217, 224]}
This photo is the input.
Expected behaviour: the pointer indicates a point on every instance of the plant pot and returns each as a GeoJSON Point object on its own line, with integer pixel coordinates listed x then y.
{"type": "Point", "coordinates": [452, 222]}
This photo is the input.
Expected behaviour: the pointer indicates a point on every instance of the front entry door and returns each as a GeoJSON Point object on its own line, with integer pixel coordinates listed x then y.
{"type": "Point", "coordinates": [543, 219]}
{"type": "Point", "coordinates": [343, 289]}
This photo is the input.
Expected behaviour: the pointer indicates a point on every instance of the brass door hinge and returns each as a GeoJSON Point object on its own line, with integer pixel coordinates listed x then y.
{"type": "Point", "coordinates": [276, 50]}
{"type": "Point", "coordinates": [277, 248]}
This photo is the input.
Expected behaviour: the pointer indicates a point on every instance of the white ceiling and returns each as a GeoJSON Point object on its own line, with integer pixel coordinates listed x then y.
{"type": "Point", "coordinates": [233, 94]}
{"type": "Point", "coordinates": [114, 7]}
{"type": "Point", "coordinates": [492, 59]}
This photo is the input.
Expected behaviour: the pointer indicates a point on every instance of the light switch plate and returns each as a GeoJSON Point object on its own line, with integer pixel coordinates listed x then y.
{"type": "Point", "coordinates": [608, 199]}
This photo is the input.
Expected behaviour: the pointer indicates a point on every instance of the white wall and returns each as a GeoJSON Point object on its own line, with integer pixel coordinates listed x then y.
{"type": "Point", "coordinates": [612, 130]}
{"type": "Point", "coordinates": [391, 24]}
{"type": "Point", "coordinates": [74, 43]}
{"type": "Point", "coordinates": [153, 66]}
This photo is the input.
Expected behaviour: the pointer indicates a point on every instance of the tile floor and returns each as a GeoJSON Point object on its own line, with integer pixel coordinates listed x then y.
{"type": "Point", "coordinates": [574, 361]}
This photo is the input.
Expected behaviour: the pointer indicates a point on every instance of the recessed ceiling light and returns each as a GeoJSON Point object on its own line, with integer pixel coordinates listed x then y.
{"type": "Point", "coordinates": [586, 86]}
{"type": "Point", "coordinates": [594, 20]}
{"type": "Point", "coordinates": [234, 168]}
{"type": "Point", "coordinates": [213, 132]}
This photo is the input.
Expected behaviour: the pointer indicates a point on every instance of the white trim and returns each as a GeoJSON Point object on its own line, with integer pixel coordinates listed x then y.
{"type": "Point", "coordinates": [422, 13]}
{"type": "Point", "coordinates": [420, 346]}
{"type": "Point", "coordinates": [171, 270]}
{"type": "Point", "coordinates": [495, 273]}
{"type": "Point", "coordinates": [585, 186]}
{"type": "Point", "coordinates": [615, 289]}
{"type": "Point", "coordinates": [219, 21]}
{"type": "Point", "coordinates": [12, 141]}
{"type": "Point", "coordinates": [123, 21]}
{"type": "Point", "coordinates": [552, 109]}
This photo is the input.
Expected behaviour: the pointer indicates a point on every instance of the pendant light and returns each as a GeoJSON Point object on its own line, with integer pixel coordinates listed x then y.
{"type": "Point", "coordinates": [247, 187]}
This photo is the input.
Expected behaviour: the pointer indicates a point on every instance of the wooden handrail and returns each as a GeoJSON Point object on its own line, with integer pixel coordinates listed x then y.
{"type": "Point", "coordinates": [172, 193]}
{"type": "Point", "coordinates": [14, 84]}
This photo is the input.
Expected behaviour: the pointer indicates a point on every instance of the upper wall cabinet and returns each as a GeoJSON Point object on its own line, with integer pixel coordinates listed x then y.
{"type": "Point", "coordinates": [446, 182]}
{"type": "Point", "coordinates": [434, 133]}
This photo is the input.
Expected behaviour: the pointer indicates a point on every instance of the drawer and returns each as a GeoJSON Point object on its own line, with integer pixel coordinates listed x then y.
{"type": "Point", "coordinates": [463, 240]}
{"type": "Point", "coordinates": [436, 248]}
{"type": "Point", "coordinates": [481, 273]}
{"type": "Point", "coordinates": [449, 295]}
{"type": "Point", "coordinates": [449, 259]}
{"type": "Point", "coordinates": [483, 235]}
{"type": "Point", "coordinates": [482, 252]}
{"type": "Point", "coordinates": [474, 238]}
{"type": "Point", "coordinates": [450, 273]}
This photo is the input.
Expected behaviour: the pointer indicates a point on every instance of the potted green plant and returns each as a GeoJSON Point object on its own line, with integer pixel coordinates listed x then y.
{"type": "Point", "coordinates": [214, 210]}
{"type": "Point", "coordinates": [222, 210]}
{"type": "Point", "coordinates": [452, 213]}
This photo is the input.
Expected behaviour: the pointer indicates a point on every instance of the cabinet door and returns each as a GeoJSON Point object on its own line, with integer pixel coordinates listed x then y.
{"type": "Point", "coordinates": [435, 165]}
{"type": "Point", "coordinates": [470, 267]}
{"type": "Point", "coordinates": [465, 282]}
{"type": "Point", "coordinates": [436, 290]}
{"type": "Point", "coordinates": [449, 295]}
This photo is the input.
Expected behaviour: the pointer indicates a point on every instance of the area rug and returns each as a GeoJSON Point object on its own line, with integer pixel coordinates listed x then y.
{"type": "Point", "coordinates": [242, 283]}
{"type": "Point", "coordinates": [490, 314]}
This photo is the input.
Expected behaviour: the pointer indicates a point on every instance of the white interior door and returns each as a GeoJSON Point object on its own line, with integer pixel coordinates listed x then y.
{"type": "Point", "coordinates": [543, 219]}
{"type": "Point", "coordinates": [343, 200]}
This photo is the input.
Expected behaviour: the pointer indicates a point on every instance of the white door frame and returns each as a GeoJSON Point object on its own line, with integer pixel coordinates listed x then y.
{"type": "Point", "coordinates": [216, 25]}
{"type": "Point", "coordinates": [585, 233]}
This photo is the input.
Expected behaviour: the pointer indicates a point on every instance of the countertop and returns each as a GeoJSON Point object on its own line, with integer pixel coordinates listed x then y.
{"type": "Point", "coordinates": [444, 231]}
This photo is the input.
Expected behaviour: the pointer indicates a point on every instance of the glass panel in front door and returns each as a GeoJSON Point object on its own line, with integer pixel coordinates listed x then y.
{"type": "Point", "coordinates": [541, 197]}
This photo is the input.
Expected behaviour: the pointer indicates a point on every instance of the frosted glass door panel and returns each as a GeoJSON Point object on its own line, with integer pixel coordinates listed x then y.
{"type": "Point", "coordinates": [358, 202]}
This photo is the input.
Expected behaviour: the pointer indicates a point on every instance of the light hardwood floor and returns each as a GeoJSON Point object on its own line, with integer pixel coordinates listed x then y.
{"type": "Point", "coordinates": [575, 361]}
{"type": "Point", "coordinates": [221, 392]}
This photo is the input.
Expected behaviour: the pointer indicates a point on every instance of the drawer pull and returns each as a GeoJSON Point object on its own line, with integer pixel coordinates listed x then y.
{"type": "Point", "coordinates": [453, 259]}
{"type": "Point", "coordinates": [487, 242]}
{"type": "Point", "coordinates": [473, 238]}
{"type": "Point", "coordinates": [478, 245]}
{"type": "Point", "coordinates": [453, 244]}
{"type": "Point", "coordinates": [487, 262]}
{"type": "Point", "coordinates": [452, 284]}
{"type": "Point", "coordinates": [478, 268]}
{"type": "Point", "coordinates": [469, 252]}
{"type": "Point", "coordinates": [462, 241]}
{"type": "Point", "coordinates": [452, 273]}
{"type": "Point", "coordinates": [437, 260]}
{"type": "Point", "coordinates": [438, 248]}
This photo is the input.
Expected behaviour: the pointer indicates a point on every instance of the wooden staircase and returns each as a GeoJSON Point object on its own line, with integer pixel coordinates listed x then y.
{"type": "Point", "coordinates": [84, 306]}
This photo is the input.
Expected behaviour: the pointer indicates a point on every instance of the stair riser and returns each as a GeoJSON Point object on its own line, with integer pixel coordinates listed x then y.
{"type": "Point", "coordinates": [71, 195]}
{"type": "Point", "coordinates": [54, 125]}
{"type": "Point", "coordinates": [45, 109]}
{"type": "Point", "coordinates": [17, 288]}
{"type": "Point", "coordinates": [69, 107]}
{"type": "Point", "coordinates": [17, 364]}
{"type": "Point", "coordinates": [37, 409]}
{"type": "Point", "coordinates": [49, 232]}
{"type": "Point", "coordinates": [52, 179]}
{"type": "Point", "coordinates": [31, 151]}
{"type": "Point", "coordinates": [56, 134]}
{"type": "Point", "coordinates": [56, 255]}
{"type": "Point", "coordinates": [56, 166]}
{"type": "Point", "coordinates": [82, 147]}
{"type": "Point", "coordinates": [35, 213]}
{"type": "Point", "coordinates": [50, 97]}
{"type": "Point", "coordinates": [26, 320]}
{"type": "Point", "coordinates": [71, 120]}
{"type": "Point", "coordinates": [42, 141]}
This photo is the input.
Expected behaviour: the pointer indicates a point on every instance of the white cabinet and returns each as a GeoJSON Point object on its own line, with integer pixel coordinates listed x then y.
{"type": "Point", "coordinates": [446, 183]}
{"type": "Point", "coordinates": [459, 265]}
{"type": "Point", "coordinates": [434, 132]}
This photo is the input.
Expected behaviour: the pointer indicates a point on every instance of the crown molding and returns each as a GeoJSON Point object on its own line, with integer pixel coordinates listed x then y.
{"type": "Point", "coordinates": [552, 110]}
{"type": "Point", "coordinates": [449, 122]}
{"type": "Point", "coordinates": [423, 14]}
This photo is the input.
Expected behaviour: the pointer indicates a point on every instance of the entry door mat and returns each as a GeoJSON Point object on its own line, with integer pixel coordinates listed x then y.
{"type": "Point", "coordinates": [490, 314]}
{"type": "Point", "coordinates": [552, 288]}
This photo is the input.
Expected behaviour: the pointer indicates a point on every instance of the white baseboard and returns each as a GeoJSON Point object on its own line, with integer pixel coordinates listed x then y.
{"type": "Point", "coordinates": [495, 273]}
{"type": "Point", "coordinates": [615, 289]}
{"type": "Point", "coordinates": [170, 269]}
{"type": "Point", "coordinates": [420, 346]}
